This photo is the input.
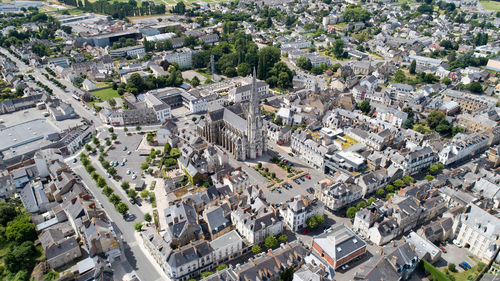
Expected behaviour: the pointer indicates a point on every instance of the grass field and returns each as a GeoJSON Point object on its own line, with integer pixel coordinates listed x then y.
{"type": "Point", "coordinates": [490, 5]}
{"type": "Point", "coordinates": [106, 94]}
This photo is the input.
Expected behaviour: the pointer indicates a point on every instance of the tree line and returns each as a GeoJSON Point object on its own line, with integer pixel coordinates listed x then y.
{"type": "Point", "coordinates": [120, 10]}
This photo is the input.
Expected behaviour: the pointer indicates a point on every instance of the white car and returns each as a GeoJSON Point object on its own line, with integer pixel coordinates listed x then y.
{"type": "Point", "coordinates": [128, 152]}
{"type": "Point", "coordinates": [455, 241]}
{"type": "Point", "coordinates": [124, 160]}
{"type": "Point", "coordinates": [128, 172]}
{"type": "Point", "coordinates": [134, 177]}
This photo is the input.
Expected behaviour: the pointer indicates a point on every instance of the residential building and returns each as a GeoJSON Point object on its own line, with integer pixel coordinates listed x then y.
{"type": "Point", "coordinates": [298, 209]}
{"type": "Point", "coordinates": [391, 115]}
{"type": "Point", "coordinates": [132, 51]}
{"type": "Point", "coordinates": [183, 57]}
{"type": "Point", "coordinates": [227, 247]}
{"type": "Point", "coordinates": [336, 196]}
{"type": "Point", "coordinates": [479, 231]}
{"type": "Point", "coordinates": [59, 250]}
{"type": "Point", "coordinates": [463, 147]}
{"type": "Point", "coordinates": [395, 263]}
{"type": "Point", "coordinates": [255, 226]}
{"type": "Point", "coordinates": [424, 248]}
{"type": "Point", "coordinates": [415, 161]}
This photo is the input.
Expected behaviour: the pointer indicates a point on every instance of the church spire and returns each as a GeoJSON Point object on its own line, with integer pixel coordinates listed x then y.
{"type": "Point", "coordinates": [254, 96]}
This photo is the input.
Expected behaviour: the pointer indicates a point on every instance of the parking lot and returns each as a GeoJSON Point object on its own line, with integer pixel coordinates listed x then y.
{"type": "Point", "coordinates": [455, 255]}
{"type": "Point", "coordinates": [120, 151]}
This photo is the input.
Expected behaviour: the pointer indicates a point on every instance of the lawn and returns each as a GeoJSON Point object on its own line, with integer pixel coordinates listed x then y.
{"type": "Point", "coordinates": [106, 94]}
{"type": "Point", "coordinates": [490, 5]}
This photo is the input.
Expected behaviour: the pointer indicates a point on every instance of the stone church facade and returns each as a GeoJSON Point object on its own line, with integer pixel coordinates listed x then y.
{"type": "Point", "coordinates": [237, 128]}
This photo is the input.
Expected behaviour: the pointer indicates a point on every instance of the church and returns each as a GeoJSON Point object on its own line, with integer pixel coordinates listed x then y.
{"type": "Point", "coordinates": [237, 128]}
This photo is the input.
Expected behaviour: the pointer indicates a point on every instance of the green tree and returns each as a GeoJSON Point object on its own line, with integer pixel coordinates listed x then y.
{"type": "Point", "coordinates": [20, 229]}
{"type": "Point", "coordinates": [399, 76]}
{"type": "Point", "coordinates": [283, 238]}
{"type": "Point", "coordinates": [145, 193]}
{"type": "Point", "coordinates": [389, 196]}
{"type": "Point", "coordinates": [440, 166]}
{"type": "Point", "coordinates": [21, 257]}
{"type": "Point", "coordinates": [138, 128]}
{"type": "Point", "coordinates": [101, 182]}
{"type": "Point", "coordinates": [115, 199]}
{"type": "Point", "coordinates": [244, 69]}
{"type": "Point", "coordinates": [144, 166]}
{"type": "Point", "coordinates": [125, 185]}
{"type": "Point", "coordinates": [7, 213]}
{"type": "Point", "coordinates": [429, 178]}
{"type": "Point", "coordinates": [360, 205]}
{"type": "Point", "coordinates": [256, 249]}
{"type": "Point", "coordinates": [389, 188]}
{"type": "Point", "coordinates": [338, 48]}
{"type": "Point", "coordinates": [407, 179]}
{"type": "Point", "coordinates": [147, 217]}
{"type": "Point", "coordinates": [475, 87]}
{"type": "Point", "coordinates": [195, 81]}
{"type": "Point", "coordinates": [434, 118]}
{"type": "Point", "coordinates": [111, 129]}
{"type": "Point", "coordinates": [380, 192]}
{"type": "Point", "coordinates": [132, 193]}
{"type": "Point", "coordinates": [221, 267]}
{"type": "Point", "coordinates": [370, 201]}
{"type": "Point", "coordinates": [433, 169]}
{"type": "Point", "coordinates": [351, 212]}
{"type": "Point", "coordinates": [452, 267]}
{"type": "Point", "coordinates": [413, 67]}
{"type": "Point", "coordinates": [138, 226]}
{"type": "Point", "coordinates": [304, 63]}
{"type": "Point", "coordinates": [365, 106]}
{"type": "Point", "coordinates": [107, 191]}
{"type": "Point", "coordinates": [398, 183]}
{"type": "Point", "coordinates": [270, 242]}
{"type": "Point", "coordinates": [122, 208]}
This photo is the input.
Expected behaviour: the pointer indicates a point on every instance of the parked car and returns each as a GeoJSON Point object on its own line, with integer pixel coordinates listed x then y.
{"type": "Point", "coordinates": [305, 231]}
{"type": "Point", "coordinates": [465, 265]}
{"type": "Point", "coordinates": [442, 249]}
{"type": "Point", "coordinates": [128, 172]}
{"type": "Point", "coordinates": [302, 179]}
{"type": "Point", "coordinates": [131, 200]}
{"type": "Point", "coordinates": [307, 176]}
{"type": "Point", "coordinates": [129, 217]}
{"type": "Point", "coordinates": [310, 190]}
{"type": "Point", "coordinates": [128, 152]}
{"type": "Point", "coordinates": [125, 148]}
{"type": "Point", "coordinates": [291, 154]}
{"type": "Point", "coordinates": [74, 160]}
{"type": "Point", "coordinates": [455, 241]}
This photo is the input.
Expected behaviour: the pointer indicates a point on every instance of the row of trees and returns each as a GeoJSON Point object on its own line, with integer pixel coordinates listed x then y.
{"type": "Point", "coordinates": [116, 200]}
{"type": "Point", "coordinates": [120, 10]}
{"type": "Point", "coordinates": [384, 193]}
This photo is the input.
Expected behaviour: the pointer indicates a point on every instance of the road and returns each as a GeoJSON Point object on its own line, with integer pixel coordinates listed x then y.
{"type": "Point", "coordinates": [136, 259]}
{"type": "Point", "coordinates": [58, 92]}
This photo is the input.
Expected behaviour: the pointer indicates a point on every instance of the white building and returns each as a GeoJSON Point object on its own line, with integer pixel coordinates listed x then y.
{"type": "Point", "coordinates": [162, 110]}
{"type": "Point", "coordinates": [242, 93]}
{"type": "Point", "coordinates": [227, 246]}
{"type": "Point", "coordinates": [132, 51]}
{"type": "Point", "coordinates": [391, 115]}
{"type": "Point", "coordinates": [183, 57]}
{"type": "Point", "coordinates": [298, 209]}
{"type": "Point", "coordinates": [462, 146]}
{"type": "Point", "coordinates": [255, 227]}
{"type": "Point", "coordinates": [479, 231]}
{"type": "Point", "coordinates": [335, 196]}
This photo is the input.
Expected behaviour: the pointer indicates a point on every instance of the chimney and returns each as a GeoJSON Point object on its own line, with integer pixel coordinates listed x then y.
{"type": "Point", "coordinates": [394, 260]}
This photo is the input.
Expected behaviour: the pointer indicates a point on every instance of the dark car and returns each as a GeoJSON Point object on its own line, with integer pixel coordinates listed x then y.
{"type": "Point", "coordinates": [310, 190]}
{"type": "Point", "coordinates": [74, 160]}
{"type": "Point", "coordinates": [130, 217]}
